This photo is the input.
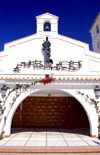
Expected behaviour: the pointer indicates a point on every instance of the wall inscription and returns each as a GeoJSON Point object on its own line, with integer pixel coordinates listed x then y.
{"type": "Point", "coordinates": [37, 64]}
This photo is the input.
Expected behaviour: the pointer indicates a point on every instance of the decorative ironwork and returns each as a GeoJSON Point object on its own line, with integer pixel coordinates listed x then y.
{"type": "Point", "coordinates": [37, 64]}
{"type": "Point", "coordinates": [16, 69]}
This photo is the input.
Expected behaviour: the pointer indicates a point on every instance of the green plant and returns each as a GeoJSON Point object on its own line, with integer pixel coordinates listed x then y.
{"type": "Point", "coordinates": [92, 100]}
{"type": "Point", "coordinates": [96, 107]}
{"type": "Point", "coordinates": [1, 137]}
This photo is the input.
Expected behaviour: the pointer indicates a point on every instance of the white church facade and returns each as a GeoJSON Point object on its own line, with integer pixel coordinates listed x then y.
{"type": "Point", "coordinates": [49, 80]}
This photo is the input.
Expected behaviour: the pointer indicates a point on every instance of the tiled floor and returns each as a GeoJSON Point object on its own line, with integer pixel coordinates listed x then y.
{"type": "Point", "coordinates": [48, 137]}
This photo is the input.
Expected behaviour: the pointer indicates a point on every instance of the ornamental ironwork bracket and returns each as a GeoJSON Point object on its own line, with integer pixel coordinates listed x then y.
{"type": "Point", "coordinates": [37, 64]}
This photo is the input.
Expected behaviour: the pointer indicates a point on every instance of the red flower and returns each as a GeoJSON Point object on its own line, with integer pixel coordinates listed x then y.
{"type": "Point", "coordinates": [47, 79]}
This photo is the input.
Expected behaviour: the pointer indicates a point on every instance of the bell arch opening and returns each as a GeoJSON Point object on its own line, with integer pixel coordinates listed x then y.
{"type": "Point", "coordinates": [59, 110]}
{"type": "Point", "coordinates": [47, 26]}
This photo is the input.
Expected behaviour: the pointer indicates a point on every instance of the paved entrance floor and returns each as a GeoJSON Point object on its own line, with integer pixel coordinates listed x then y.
{"type": "Point", "coordinates": [39, 138]}
{"type": "Point", "coordinates": [49, 137]}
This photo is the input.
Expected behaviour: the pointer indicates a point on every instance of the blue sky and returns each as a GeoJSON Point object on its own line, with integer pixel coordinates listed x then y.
{"type": "Point", "coordinates": [17, 18]}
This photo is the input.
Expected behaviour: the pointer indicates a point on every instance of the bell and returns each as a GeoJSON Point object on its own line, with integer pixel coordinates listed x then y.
{"type": "Point", "coordinates": [47, 28]}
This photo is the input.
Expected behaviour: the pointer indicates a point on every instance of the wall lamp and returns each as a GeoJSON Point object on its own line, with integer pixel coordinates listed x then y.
{"type": "Point", "coordinates": [97, 92]}
{"type": "Point", "coordinates": [3, 90]}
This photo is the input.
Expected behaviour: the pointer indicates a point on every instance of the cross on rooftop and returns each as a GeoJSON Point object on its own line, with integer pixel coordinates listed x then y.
{"type": "Point", "coordinates": [47, 10]}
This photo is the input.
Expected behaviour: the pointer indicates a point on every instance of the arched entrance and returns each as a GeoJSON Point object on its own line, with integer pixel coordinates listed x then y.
{"type": "Point", "coordinates": [51, 112]}
{"type": "Point", "coordinates": [69, 94]}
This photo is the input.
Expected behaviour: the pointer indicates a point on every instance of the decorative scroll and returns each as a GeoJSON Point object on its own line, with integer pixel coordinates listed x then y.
{"type": "Point", "coordinates": [63, 65]}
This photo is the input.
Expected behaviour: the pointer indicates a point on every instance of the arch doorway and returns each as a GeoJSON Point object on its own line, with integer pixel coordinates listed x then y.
{"type": "Point", "coordinates": [51, 112]}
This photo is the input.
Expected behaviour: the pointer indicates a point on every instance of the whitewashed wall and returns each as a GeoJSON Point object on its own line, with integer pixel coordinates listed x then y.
{"type": "Point", "coordinates": [62, 49]}
{"type": "Point", "coordinates": [95, 36]}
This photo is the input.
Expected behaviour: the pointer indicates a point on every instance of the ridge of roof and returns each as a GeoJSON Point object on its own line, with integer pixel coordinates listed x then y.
{"type": "Point", "coordinates": [73, 39]}
{"type": "Point", "coordinates": [47, 14]}
{"type": "Point", "coordinates": [20, 38]}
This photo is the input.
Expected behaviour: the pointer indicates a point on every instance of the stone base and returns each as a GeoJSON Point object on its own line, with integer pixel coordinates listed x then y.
{"type": "Point", "coordinates": [93, 136]}
{"type": "Point", "coordinates": [6, 136]}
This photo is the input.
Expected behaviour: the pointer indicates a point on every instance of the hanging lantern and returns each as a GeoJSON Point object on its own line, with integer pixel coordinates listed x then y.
{"type": "Point", "coordinates": [4, 89]}
{"type": "Point", "coordinates": [97, 92]}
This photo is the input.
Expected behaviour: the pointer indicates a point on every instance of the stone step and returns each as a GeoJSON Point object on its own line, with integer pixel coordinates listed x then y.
{"type": "Point", "coordinates": [49, 149]}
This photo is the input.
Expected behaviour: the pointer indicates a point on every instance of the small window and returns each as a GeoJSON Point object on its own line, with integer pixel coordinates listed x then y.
{"type": "Point", "coordinates": [98, 45]}
{"type": "Point", "coordinates": [47, 26]}
{"type": "Point", "coordinates": [97, 29]}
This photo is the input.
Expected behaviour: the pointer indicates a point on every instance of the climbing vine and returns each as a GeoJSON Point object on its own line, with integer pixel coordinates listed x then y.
{"type": "Point", "coordinates": [96, 107]}
{"type": "Point", "coordinates": [92, 100]}
{"type": "Point", "coordinates": [20, 88]}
